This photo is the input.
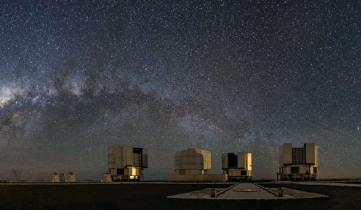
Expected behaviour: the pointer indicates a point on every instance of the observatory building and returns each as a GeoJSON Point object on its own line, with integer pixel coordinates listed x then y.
{"type": "Point", "coordinates": [106, 177]}
{"type": "Point", "coordinates": [70, 177]}
{"type": "Point", "coordinates": [126, 163]}
{"type": "Point", "coordinates": [192, 165]}
{"type": "Point", "coordinates": [237, 167]}
{"type": "Point", "coordinates": [55, 177]}
{"type": "Point", "coordinates": [298, 163]}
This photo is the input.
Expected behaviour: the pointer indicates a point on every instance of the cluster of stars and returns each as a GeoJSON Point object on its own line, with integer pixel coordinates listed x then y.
{"type": "Point", "coordinates": [226, 76]}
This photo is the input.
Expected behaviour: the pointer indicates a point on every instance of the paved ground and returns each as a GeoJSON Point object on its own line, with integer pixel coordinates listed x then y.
{"type": "Point", "coordinates": [248, 191]}
{"type": "Point", "coordinates": [298, 194]}
{"type": "Point", "coordinates": [198, 194]}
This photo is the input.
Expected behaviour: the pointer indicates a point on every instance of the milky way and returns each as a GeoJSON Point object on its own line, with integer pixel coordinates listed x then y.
{"type": "Point", "coordinates": [79, 76]}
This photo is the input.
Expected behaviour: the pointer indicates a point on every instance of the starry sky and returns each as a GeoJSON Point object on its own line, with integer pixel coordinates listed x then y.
{"type": "Point", "coordinates": [79, 76]}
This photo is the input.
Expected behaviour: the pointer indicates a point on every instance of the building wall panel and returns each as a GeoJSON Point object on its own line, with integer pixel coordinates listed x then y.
{"type": "Point", "coordinates": [192, 159]}
{"type": "Point", "coordinates": [234, 173]}
{"type": "Point", "coordinates": [249, 162]}
{"type": "Point", "coordinates": [287, 153]}
{"type": "Point", "coordinates": [241, 160]}
{"type": "Point", "coordinates": [224, 160]}
{"type": "Point", "coordinates": [145, 158]}
{"type": "Point", "coordinates": [310, 153]}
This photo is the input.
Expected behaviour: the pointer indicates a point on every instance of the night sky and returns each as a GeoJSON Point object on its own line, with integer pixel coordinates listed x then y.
{"type": "Point", "coordinates": [79, 76]}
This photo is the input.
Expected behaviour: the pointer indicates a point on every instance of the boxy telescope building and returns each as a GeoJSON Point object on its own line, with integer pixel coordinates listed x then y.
{"type": "Point", "coordinates": [237, 167]}
{"type": "Point", "coordinates": [298, 163]}
{"type": "Point", "coordinates": [126, 163]}
{"type": "Point", "coordinates": [192, 165]}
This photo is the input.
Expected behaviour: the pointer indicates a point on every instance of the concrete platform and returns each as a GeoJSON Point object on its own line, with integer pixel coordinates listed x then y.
{"type": "Point", "coordinates": [247, 191]}
{"type": "Point", "coordinates": [198, 194]}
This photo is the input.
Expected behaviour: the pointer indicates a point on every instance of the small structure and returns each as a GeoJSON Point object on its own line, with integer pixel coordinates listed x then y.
{"type": "Point", "coordinates": [126, 163]}
{"type": "Point", "coordinates": [61, 177]}
{"type": "Point", "coordinates": [237, 167]}
{"type": "Point", "coordinates": [70, 177]}
{"type": "Point", "coordinates": [55, 177]}
{"type": "Point", "coordinates": [298, 163]}
{"type": "Point", "coordinates": [106, 177]}
{"type": "Point", "coordinates": [192, 165]}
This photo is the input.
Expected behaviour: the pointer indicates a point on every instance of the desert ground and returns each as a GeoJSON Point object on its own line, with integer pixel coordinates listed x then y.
{"type": "Point", "coordinates": [153, 196]}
